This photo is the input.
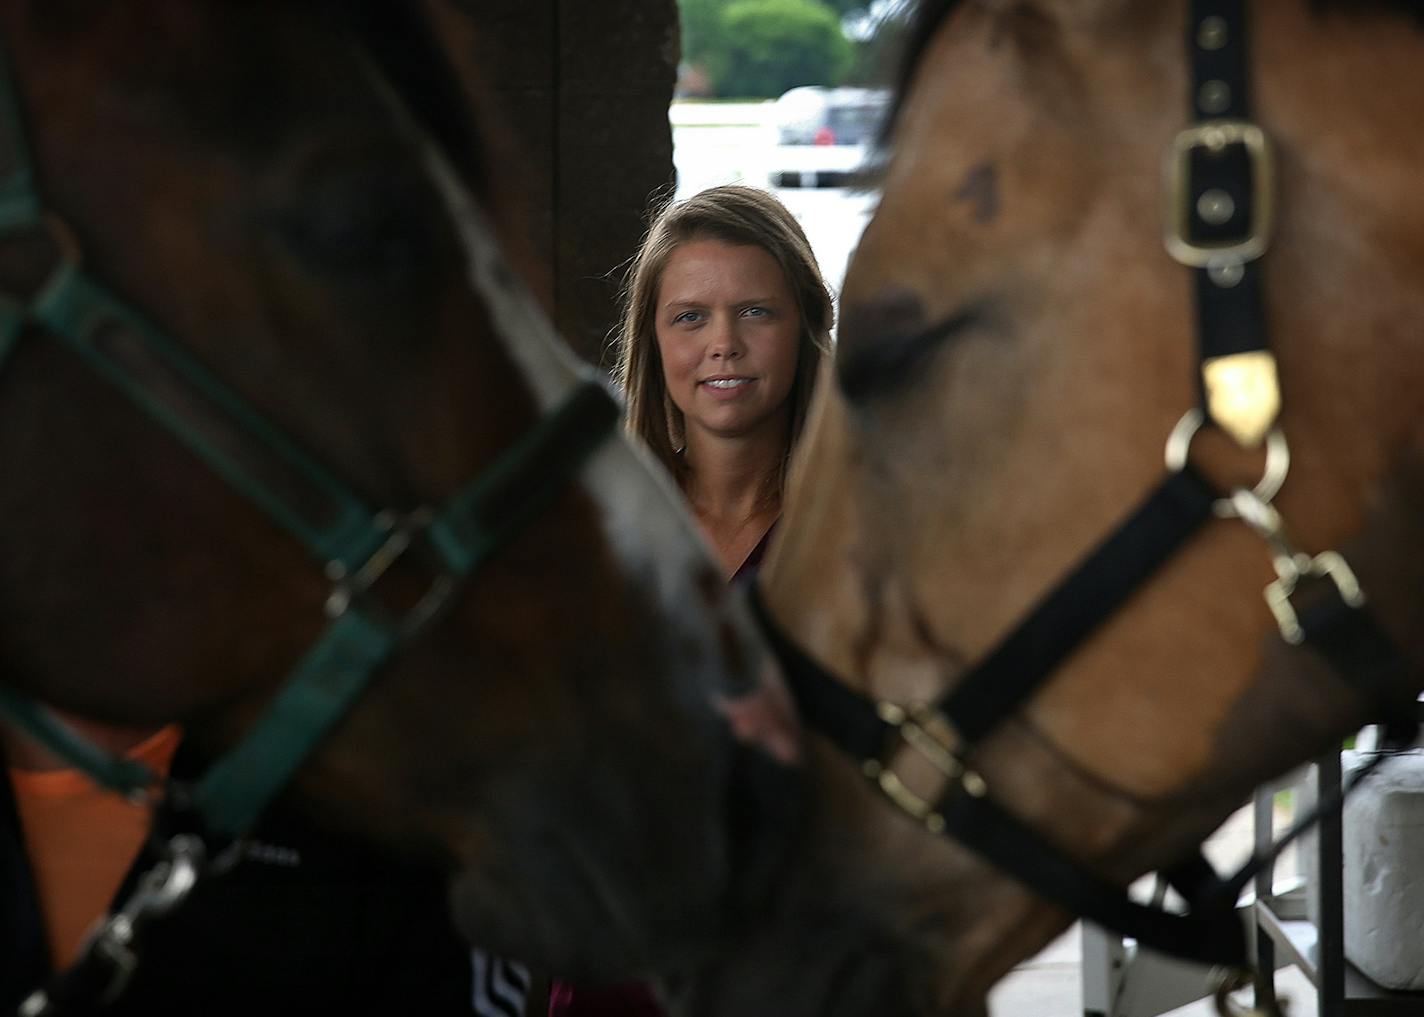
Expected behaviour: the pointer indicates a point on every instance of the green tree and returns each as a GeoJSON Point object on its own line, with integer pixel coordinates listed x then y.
{"type": "Point", "coordinates": [701, 27]}
{"type": "Point", "coordinates": [878, 36]}
{"type": "Point", "coordinates": [764, 47]}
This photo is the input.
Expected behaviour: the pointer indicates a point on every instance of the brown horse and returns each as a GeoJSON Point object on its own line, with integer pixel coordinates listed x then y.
{"type": "Point", "coordinates": [295, 195]}
{"type": "Point", "coordinates": [1016, 348]}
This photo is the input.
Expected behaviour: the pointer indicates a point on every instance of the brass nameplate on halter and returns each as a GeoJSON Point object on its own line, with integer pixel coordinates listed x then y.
{"type": "Point", "coordinates": [1243, 394]}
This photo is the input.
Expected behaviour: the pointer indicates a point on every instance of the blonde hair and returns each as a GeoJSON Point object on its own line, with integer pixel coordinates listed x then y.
{"type": "Point", "coordinates": [734, 214]}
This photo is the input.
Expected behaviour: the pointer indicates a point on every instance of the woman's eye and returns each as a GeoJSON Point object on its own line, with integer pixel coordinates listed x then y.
{"type": "Point", "coordinates": [687, 316]}
{"type": "Point", "coordinates": [755, 312]}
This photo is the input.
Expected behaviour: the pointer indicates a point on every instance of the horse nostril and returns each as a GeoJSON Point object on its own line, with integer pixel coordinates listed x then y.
{"type": "Point", "coordinates": [765, 717]}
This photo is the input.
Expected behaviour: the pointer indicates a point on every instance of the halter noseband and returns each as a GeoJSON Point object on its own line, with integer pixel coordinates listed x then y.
{"type": "Point", "coordinates": [1219, 190]}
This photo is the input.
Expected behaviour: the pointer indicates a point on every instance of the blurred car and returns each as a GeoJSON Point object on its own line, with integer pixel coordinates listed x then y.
{"type": "Point", "coordinates": [824, 135]}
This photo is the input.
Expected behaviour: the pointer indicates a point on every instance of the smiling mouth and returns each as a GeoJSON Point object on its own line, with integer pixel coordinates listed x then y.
{"type": "Point", "coordinates": [727, 383]}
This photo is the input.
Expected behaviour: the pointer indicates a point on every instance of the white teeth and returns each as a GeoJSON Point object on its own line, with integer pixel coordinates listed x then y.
{"type": "Point", "coordinates": [727, 382]}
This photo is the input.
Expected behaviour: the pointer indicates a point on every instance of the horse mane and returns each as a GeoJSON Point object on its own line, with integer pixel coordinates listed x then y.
{"type": "Point", "coordinates": [930, 14]}
{"type": "Point", "coordinates": [401, 41]}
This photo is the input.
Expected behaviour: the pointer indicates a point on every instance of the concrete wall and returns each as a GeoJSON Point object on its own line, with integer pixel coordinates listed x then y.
{"type": "Point", "coordinates": [584, 89]}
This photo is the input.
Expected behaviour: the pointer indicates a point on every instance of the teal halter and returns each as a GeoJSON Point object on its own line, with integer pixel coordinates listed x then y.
{"type": "Point", "coordinates": [355, 544]}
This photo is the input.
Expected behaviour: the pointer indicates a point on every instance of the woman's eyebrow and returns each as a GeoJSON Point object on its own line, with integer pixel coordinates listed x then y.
{"type": "Point", "coordinates": [747, 302]}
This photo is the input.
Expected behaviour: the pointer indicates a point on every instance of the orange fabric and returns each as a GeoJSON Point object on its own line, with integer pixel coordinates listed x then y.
{"type": "Point", "coordinates": [81, 841]}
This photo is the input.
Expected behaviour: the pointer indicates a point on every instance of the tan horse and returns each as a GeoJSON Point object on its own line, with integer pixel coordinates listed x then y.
{"type": "Point", "coordinates": [1016, 347]}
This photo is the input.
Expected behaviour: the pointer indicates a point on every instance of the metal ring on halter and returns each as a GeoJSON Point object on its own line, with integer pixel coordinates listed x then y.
{"type": "Point", "coordinates": [114, 941]}
{"type": "Point", "coordinates": [1179, 443]}
{"type": "Point", "coordinates": [404, 532]}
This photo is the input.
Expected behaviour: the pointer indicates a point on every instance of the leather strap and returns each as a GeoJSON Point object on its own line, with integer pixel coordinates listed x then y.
{"type": "Point", "coordinates": [1211, 936]}
{"type": "Point", "coordinates": [1092, 593]}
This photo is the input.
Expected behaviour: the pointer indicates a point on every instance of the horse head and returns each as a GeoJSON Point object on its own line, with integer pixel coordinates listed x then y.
{"type": "Point", "coordinates": [1017, 346]}
{"type": "Point", "coordinates": [264, 369]}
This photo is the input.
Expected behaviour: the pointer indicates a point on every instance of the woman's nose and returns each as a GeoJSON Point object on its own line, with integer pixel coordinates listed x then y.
{"type": "Point", "coordinates": [726, 344]}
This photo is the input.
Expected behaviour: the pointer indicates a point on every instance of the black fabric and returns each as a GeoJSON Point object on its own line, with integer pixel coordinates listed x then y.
{"type": "Point", "coordinates": [1230, 319]}
{"type": "Point", "coordinates": [1359, 651]}
{"type": "Point", "coordinates": [1215, 937]}
{"type": "Point", "coordinates": [825, 704]}
{"type": "Point", "coordinates": [1227, 64]}
{"type": "Point", "coordinates": [24, 956]}
{"type": "Point", "coordinates": [1092, 593]}
{"type": "Point", "coordinates": [1195, 879]}
{"type": "Point", "coordinates": [1232, 172]}
{"type": "Point", "coordinates": [309, 922]}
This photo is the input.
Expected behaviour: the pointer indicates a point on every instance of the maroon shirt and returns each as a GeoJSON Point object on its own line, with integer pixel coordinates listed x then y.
{"type": "Point", "coordinates": [631, 1000]}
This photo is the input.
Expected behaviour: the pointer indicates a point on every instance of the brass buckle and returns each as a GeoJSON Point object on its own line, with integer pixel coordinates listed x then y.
{"type": "Point", "coordinates": [403, 532]}
{"type": "Point", "coordinates": [1292, 565]}
{"type": "Point", "coordinates": [931, 735]}
{"type": "Point", "coordinates": [1215, 136]}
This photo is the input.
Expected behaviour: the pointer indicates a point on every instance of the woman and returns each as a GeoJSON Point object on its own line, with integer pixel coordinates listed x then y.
{"type": "Point", "coordinates": [725, 325]}
{"type": "Point", "coordinates": [726, 321]}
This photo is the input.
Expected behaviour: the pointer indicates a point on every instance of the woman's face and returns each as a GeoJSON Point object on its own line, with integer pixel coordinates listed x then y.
{"type": "Point", "coordinates": [728, 331]}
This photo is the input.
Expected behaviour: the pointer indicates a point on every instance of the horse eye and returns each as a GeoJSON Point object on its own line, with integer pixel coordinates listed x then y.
{"type": "Point", "coordinates": [372, 225]}
{"type": "Point", "coordinates": [884, 345]}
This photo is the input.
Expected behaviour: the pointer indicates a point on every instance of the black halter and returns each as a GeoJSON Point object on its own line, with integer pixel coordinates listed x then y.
{"type": "Point", "coordinates": [1219, 190]}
